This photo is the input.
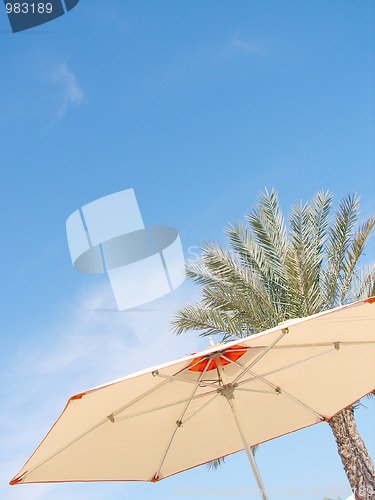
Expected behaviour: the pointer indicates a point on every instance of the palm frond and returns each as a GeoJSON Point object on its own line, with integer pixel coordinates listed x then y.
{"type": "Point", "coordinates": [198, 272]}
{"type": "Point", "coordinates": [320, 207]}
{"type": "Point", "coordinates": [339, 238]}
{"type": "Point", "coordinates": [353, 254]}
{"type": "Point", "coordinates": [267, 224]}
{"type": "Point", "coordinates": [318, 226]}
{"type": "Point", "coordinates": [247, 310]}
{"type": "Point", "coordinates": [215, 464]}
{"type": "Point", "coordinates": [252, 258]}
{"type": "Point", "coordinates": [247, 250]}
{"type": "Point", "coordinates": [230, 274]}
{"type": "Point", "coordinates": [207, 321]}
{"type": "Point", "coordinates": [363, 284]}
{"type": "Point", "coordinates": [309, 224]}
{"type": "Point", "coordinates": [300, 252]}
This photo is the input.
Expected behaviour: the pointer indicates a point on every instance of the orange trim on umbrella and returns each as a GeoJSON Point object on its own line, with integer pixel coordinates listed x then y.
{"type": "Point", "coordinates": [370, 300]}
{"type": "Point", "coordinates": [15, 481]}
{"type": "Point", "coordinates": [236, 353]}
{"type": "Point", "coordinates": [77, 396]}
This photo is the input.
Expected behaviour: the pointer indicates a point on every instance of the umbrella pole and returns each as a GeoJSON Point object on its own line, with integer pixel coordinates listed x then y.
{"type": "Point", "coordinates": [246, 446]}
{"type": "Point", "coordinates": [228, 392]}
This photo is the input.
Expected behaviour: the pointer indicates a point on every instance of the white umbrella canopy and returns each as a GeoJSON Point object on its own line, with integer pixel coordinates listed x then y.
{"type": "Point", "coordinates": [175, 416]}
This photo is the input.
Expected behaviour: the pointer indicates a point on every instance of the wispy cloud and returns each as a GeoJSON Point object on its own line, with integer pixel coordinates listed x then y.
{"type": "Point", "coordinates": [249, 47]}
{"type": "Point", "coordinates": [206, 59]}
{"type": "Point", "coordinates": [71, 92]}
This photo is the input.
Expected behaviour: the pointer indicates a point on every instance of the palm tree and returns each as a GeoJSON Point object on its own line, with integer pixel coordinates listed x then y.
{"type": "Point", "coordinates": [273, 272]}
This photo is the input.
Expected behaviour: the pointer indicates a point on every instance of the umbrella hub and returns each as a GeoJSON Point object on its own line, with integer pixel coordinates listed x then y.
{"type": "Point", "coordinates": [227, 390]}
{"type": "Point", "coordinates": [226, 356]}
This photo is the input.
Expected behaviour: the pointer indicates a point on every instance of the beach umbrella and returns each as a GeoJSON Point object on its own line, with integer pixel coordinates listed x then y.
{"type": "Point", "coordinates": [175, 416]}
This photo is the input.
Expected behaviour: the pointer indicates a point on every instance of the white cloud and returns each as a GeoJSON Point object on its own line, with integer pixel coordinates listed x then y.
{"type": "Point", "coordinates": [72, 93]}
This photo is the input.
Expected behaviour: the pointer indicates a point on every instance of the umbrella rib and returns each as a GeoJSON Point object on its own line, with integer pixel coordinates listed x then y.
{"type": "Point", "coordinates": [323, 344]}
{"type": "Point", "coordinates": [284, 332]}
{"type": "Point", "coordinates": [138, 398]}
{"type": "Point", "coordinates": [233, 362]}
{"type": "Point", "coordinates": [201, 408]}
{"type": "Point", "coordinates": [284, 367]}
{"type": "Point", "coordinates": [281, 391]}
{"type": "Point", "coordinates": [254, 390]}
{"type": "Point", "coordinates": [168, 405]}
{"type": "Point", "coordinates": [189, 367]}
{"type": "Point", "coordinates": [172, 377]}
{"type": "Point", "coordinates": [179, 421]}
{"type": "Point", "coordinates": [62, 449]}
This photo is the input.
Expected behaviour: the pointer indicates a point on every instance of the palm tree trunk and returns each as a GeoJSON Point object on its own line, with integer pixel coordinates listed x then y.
{"type": "Point", "coordinates": [354, 456]}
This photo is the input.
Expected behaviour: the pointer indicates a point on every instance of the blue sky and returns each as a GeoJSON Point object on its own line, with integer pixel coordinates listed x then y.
{"type": "Point", "coordinates": [197, 106]}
